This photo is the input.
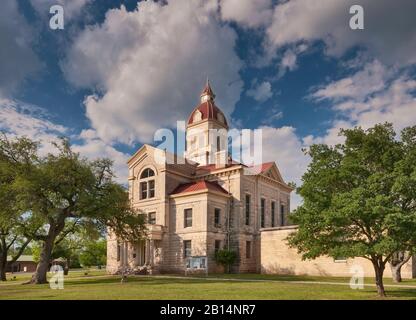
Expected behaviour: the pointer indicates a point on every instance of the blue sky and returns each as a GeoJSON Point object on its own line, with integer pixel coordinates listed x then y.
{"type": "Point", "coordinates": [122, 69]}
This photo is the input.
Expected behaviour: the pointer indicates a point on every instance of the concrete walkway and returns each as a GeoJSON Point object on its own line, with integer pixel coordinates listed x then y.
{"type": "Point", "coordinates": [279, 281]}
{"type": "Point", "coordinates": [226, 279]}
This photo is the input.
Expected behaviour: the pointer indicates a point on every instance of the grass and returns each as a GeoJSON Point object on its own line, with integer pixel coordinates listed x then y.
{"type": "Point", "coordinates": [98, 285]}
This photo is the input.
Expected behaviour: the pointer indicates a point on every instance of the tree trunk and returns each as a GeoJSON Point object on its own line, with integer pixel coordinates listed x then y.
{"type": "Point", "coordinates": [55, 228]}
{"type": "Point", "coordinates": [66, 267]}
{"type": "Point", "coordinates": [40, 274]}
{"type": "Point", "coordinates": [379, 270]}
{"type": "Point", "coordinates": [3, 259]}
{"type": "Point", "coordinates": [396, 272]}
{"type": "Point", "coordinates": [397, 261]}
{"type": "Point", "coordinates": [3, 266]}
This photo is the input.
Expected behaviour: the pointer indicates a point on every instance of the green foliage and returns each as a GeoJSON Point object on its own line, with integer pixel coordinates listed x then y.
{"type": "Point", "coordinates": [359, 197]}
{"type": "Point", "coordinates": [225, 258]}
{"type": "Point", "coordinates": [94, 253]}
{"type": "Point", "coordinates": [61, 193]}
{"type": "Point", "coordinates": [17, 158]}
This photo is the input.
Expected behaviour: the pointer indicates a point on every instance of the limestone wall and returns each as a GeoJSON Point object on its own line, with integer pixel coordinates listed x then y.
{"type": "Point", "coordinates": [278, 258]}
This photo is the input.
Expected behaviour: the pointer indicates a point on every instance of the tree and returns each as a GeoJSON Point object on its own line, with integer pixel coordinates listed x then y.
{"type": "Point", "coordinates": [94, 253]}
{"type": "Point", "coordinates": [359, 198]}
{"type": "Point", "coordinates": [66, 190]}
{"type": "Point", "coordinates": [17, 158]}
{"type": "Point", "coordinates": [225, 258]}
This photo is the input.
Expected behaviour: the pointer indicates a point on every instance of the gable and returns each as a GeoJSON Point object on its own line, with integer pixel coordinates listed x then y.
{"type": "Point", "coordinates": [270, 170]}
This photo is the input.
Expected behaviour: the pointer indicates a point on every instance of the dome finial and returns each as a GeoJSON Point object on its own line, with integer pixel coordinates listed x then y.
{"type": "Point", "coordinates": [207, 94]}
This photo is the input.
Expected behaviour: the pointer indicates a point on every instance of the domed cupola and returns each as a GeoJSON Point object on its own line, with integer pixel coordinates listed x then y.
{"type": "Point", "coordinates": [206, 131]}
{"type": "Point", "coordinates": [207, 110]}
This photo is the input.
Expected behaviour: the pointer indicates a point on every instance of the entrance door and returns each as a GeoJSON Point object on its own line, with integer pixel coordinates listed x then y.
{"type": "Point", "coordinates": [141, 254]}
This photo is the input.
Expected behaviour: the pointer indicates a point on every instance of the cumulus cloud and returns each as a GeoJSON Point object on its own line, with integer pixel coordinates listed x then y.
{"type": "Point", "coordinates": [374, 94]}
{"type": "Point", "coordinates": [17, 59]}
{"type": "Point", "coordinates": [289, 59]}
{"type": "Point", "coordinates": [20, 119]}
{"type": "Point", "coordinates": [92, 147]}
{"type": "Point", "coordinates": [372, 78]}
{"type": "Point", "coordinates": [297, 21]}
{"type": "Point", "coordinates": [260, 91]}
{"type": "Point", "coordinates": [249, 13]}
{"type": "Point", "coordinates": [153, 71]}
{"type": "Point", "coordinates": [283, 146]}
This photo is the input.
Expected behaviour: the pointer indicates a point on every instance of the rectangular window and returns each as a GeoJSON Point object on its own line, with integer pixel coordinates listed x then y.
{"type": "Point", "coordinates": [340, 259]}
{"type": "Point", "coordinates": [217, 217]}
{"type": "Point", "coordinates": [151, 218]}
{"type": "Point", "coordinates": [217, 245]}
{"type": "Point", "coordinates": [187, 248]}
{"type": "Point", "coordinates": [273, 206]}
{"type": "Point", "coordinates": [247, 209]}
{"type": "Point", "coordinates": [248, 249]}
{"type": "Point", "coordinates": [262, 212]}
{"type": "Point", "coordinates": [282, 215]}
{"type": "Point", "coordinates": [188, 218]}
{"type": "Point", "coordinates": [151, 185]}
{"type": "Point", "coordinates": [143, 190]}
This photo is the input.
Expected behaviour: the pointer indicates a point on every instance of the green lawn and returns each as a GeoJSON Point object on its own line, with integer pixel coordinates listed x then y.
{"type": "Point", "coordinates": [97, 285]}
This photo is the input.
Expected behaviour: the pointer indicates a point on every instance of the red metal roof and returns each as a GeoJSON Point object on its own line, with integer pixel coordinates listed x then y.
{"type": "Point", "coordinates": [208, 111]}
{"type": "Point", "coordinates": [198, 186]}
{"type": "Point", "coordinates": [207, 108]}
{"type": "Point", "coordinates": [266, 166]}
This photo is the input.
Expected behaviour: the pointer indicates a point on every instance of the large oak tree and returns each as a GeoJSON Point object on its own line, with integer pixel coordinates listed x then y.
{"type": "Point", "coordinates": [17, 158]}
{"type": "Point", "coordinates": [360, 198]}
{"type": "Point", "coordinates": [65, 191]}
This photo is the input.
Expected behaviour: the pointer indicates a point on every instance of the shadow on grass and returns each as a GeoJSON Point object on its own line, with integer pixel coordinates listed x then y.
{"type": "Point", "coordinates": [145, 281]}
{"type": "Point", "coordinates": [274, 277]}
{"type": "Point", "coordinates": [401, 293]}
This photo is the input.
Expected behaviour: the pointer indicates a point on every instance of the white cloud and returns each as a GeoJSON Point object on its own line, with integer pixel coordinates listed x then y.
{"type": "Point", "coordinates": [283, 146]}
{"type": "Point", "coordinates": [289, 59]}
{"type": "Point", "coordinates": [260, 91]}
{"type": "Point", "coordinates": [20, 119]}
{"type": "Point", "coordinates": [72, 8]}
{"type": "Point", "coordinates": [374, 94]}
{"type": "Point", "coordinates": [249, 13]}
{"type": "Point", "coordinates": [391, 42]}
{"type": "Point", "coordinates": [153, 71]}
{"type": "Point", "coordinates": [372, 78]}
{"type": "Point", "coordinates": [93, 147]}
{"type": "Point", "coordinates": [17, 59]}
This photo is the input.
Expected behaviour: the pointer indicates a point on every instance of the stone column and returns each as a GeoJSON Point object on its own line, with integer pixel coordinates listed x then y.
{"type": "Point", "coordinates": [147, 256]}
{"type": "Point", "coordinates": [126, 254]}
{"type": "Point", "coordinates": [152, 252]}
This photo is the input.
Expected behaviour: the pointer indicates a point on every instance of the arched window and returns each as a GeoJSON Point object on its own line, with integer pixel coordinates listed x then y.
{"type": "Point", "coordinates": [147, 184]}
{"type": "Point", "coordinates": [197, 116]}
{"type": "Point", "coordinates": [147, 173]}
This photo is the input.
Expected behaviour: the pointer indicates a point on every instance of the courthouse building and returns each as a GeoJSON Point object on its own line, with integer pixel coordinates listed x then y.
{"type": "Point", "coordinates": [204, 201]}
